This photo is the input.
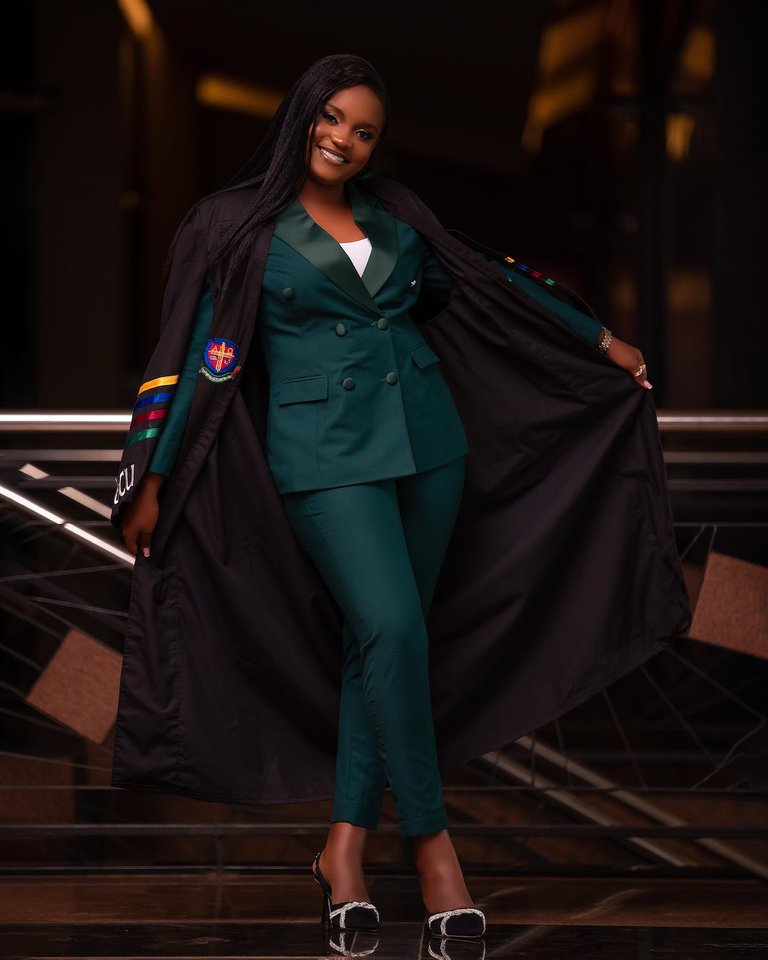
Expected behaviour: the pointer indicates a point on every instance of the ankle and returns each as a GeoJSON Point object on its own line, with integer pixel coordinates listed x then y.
{"type": "Point", "coordinates": [435, 853]}
{"type": "Point", "coordinates": [440, 875]}
{"type": "Point", "coordinates": [341, 859]}
{"type": "Point", "coordinates": [346, 840]}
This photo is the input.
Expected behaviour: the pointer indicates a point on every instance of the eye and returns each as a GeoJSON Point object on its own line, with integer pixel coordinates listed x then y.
{"type": "Point", "coordinates": [365, 134]}
{"type": "Point", "coordinates": [330, 117]}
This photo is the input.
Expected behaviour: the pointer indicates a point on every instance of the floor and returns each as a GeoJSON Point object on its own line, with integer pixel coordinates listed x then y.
{"type": "Point", "coordinates": [245, 916]}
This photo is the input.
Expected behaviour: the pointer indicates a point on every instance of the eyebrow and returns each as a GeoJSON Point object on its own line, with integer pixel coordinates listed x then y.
{"type": "Point", "coordinates": [371, 126]}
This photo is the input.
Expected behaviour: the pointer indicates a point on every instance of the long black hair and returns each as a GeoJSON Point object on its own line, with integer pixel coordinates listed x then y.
{"type": "Point", "coordinates": [279, 165]}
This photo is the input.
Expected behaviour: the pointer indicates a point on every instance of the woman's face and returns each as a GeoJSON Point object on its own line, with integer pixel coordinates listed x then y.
{"type": "Point", "coordinates": [349, 127]}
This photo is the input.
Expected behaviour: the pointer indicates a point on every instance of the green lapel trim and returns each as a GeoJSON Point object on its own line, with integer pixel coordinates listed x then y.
{"type": "Point", "coordinates": [295, 226]}
{"type": "Point", "coordinates": [379, 226]}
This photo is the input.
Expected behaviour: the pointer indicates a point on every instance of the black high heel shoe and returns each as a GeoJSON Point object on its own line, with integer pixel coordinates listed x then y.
{"type": "Point", "coordinates": [463, 922]}
{"type": "Point", "coordinates": [348, 914]}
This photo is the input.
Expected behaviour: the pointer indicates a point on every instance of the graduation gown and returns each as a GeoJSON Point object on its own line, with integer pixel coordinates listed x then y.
{"type": "Point", "coordinates": [561, 576]}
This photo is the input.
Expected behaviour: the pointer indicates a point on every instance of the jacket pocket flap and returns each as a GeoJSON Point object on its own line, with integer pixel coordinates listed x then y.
{"type": "Point", "coordinates": [301, 389]}
{"type": "Point", "coordinates": [423, 355]}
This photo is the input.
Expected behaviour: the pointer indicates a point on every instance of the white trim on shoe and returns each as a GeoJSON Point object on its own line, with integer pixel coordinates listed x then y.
{"type": "Point", "coordinates": [347, 906]}
{"type": "Point", "coordinates": [445, 914]}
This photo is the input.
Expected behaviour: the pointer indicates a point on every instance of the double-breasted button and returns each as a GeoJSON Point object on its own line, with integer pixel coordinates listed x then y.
{"type": "Point", "coordinates": [391, 377]}
{"type": "Point", "coordinates": [340, 329]}
{"type": "Point", "coordinates": [288, 293]}
{"type": "Point", "coordinates": [348, 383]}
{"type": "Point", "coordinates": [382, 323]}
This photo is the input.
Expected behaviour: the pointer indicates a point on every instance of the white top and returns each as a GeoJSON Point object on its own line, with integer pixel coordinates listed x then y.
{"type": "Point", "coordinates": [358, 251]}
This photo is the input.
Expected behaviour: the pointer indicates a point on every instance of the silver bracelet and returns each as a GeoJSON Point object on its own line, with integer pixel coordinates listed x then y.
{"type": "Point", "coordinates": [605, 340]}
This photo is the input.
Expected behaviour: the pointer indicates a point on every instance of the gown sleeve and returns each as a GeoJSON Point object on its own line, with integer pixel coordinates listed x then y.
{"type": "Point", "coordinates": [169, 441]}
{"type": "Point", "coordinates": [437, 282]}
{"type": "Point", "coordinates": [577, 321]}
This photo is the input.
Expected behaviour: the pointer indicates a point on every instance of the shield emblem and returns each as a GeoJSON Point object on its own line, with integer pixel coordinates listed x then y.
{"type": "Point", "coordinates": [219, 358]}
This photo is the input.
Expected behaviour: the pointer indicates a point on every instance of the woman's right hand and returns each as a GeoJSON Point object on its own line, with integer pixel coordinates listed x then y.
{"type": "Point", "coordinates": [142, 514]}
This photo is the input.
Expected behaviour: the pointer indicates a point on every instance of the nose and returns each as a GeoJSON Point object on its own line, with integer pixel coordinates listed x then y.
{"type": "Point", "coordinates": [339, 137]}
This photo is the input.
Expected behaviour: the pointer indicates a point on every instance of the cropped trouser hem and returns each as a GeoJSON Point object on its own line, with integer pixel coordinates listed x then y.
{"type": "Point", "coordinates": [415, 826]}
{"type": "Point", "coordinates": [357, 812]}
{"type": "Point", "coordinates": [426, 823]}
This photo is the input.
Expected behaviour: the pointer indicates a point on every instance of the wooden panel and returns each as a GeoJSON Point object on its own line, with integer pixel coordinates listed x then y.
{"type": "Point", "coordinates": [79, 686]}
{"type": "Point", "coordinates": [732, 609]}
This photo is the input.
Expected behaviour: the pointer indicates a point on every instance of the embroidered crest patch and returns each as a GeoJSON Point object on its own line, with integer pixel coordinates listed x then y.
{"type": "Point", "coordinates": [219, 359]}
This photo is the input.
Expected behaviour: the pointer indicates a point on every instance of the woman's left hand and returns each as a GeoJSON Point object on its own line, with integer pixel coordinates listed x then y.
{"type": "Point", "coordinates": [630, 359]}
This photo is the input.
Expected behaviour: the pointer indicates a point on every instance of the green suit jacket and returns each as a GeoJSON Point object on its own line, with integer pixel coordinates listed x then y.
{"type": "Point", "coordinates": [355, 393]}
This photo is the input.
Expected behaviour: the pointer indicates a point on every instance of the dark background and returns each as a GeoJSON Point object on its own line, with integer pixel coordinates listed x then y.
{"type": "Point", "coordinates": [617, 145]}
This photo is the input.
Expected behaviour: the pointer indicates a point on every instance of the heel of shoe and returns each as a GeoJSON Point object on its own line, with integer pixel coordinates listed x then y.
{"type": "Point", "coordinates": [317, 876]}
{"type": "Point", "coordinates": [347, 915]}
{"type": "Point", "coordinates": [325, 916]}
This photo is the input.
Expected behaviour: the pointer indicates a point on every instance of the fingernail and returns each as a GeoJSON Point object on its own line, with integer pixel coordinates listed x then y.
{"type": "Point", "coordinates": [647, 385]}
{"type": "Point", "coordinates": [145, 551]}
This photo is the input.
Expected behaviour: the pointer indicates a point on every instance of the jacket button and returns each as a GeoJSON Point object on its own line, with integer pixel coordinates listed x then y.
{"type": "Point", "coordinates": [382, 323]}
{"type": "Point", "coordinates": [348, 383]}
{"type": "Point", "coordinates": [340, 329]}
{"type": "Point", "coordinates": [391, 377]}
{"type": "Point", "coordinates": [288, 293]}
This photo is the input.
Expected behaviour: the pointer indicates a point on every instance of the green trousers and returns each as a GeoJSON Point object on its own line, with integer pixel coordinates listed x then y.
{"type": "Point", "coordinates": [379, 547]}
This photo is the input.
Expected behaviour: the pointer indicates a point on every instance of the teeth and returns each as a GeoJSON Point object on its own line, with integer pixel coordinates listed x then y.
{"type": "Point", "coordinates": [332, 156]}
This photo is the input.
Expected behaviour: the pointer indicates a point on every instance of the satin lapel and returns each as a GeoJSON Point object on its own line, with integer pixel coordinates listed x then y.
{"type": "Point", "coordinates": [295, 226]}
{"type": "Point", "coordinates": [379, 227]}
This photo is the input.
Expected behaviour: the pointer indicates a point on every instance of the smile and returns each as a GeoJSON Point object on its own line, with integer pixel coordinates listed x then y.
{"type": "Point", "coordinates": [332, 157]}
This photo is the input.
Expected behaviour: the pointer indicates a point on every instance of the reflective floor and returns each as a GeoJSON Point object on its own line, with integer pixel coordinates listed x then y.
{"type": "Point", "coordinates": [226, 916]}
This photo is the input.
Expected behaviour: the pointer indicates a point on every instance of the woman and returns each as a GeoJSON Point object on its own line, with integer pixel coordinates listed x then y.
{"type": "Point", "coordinates": [365, 445]}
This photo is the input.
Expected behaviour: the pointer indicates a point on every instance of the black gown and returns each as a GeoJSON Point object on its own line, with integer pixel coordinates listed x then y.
{"type": "Point", "coordinates": [561, 576]}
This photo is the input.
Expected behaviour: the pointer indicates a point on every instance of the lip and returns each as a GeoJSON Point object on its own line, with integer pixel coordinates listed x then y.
{"type": "Point", "coordinates": [331, 156]}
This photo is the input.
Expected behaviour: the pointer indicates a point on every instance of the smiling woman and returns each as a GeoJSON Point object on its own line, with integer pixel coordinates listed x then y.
{"type": "Point", "coordinates": [342, 448]}
{"type": "Point", "coordinates": [341, 144]}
